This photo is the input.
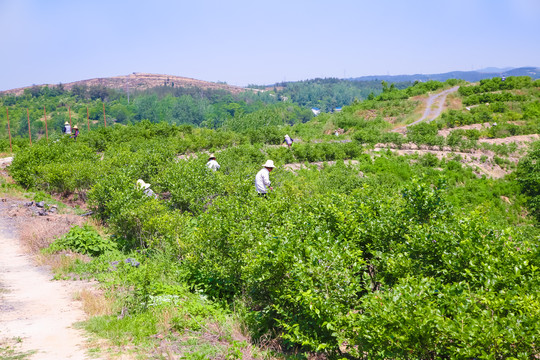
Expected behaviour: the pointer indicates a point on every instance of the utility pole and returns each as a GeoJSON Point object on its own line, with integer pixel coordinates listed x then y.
{"type": "Point", "coordinates": [29, 132]}
{"type": "Point", "coordinates": [69, 109]}
{"type": "Point", "coordinates": [104, 117]}
{"type": "Point", "coordinates": [9, 131]}
{"type": "Point", "coordinates": [45, 117]}
{"type": "Point", "coordinates": [127, 88]}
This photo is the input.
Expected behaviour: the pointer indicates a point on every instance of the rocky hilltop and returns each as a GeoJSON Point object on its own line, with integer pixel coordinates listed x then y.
{"type": "Point", "coordinates": [139, 81]}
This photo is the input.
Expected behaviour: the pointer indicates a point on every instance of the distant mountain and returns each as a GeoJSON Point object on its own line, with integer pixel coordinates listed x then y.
{"type": "Point", "coordinates": [494, 70]}
{"type": "Point", "coordinates": [139, 81]}
{"type": "Point", "coordinates": [472, 76]}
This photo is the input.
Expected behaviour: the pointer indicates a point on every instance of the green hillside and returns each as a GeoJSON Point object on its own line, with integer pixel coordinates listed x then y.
{"type": "Point", "coordinates": [380, 240]}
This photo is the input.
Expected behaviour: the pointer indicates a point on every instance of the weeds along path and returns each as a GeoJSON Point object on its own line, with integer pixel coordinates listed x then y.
{"type": "Point", "coordinates": [36, 314]}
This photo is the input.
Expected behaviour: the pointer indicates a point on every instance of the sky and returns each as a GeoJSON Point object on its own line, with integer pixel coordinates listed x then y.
{"type": "Point", "coordinates": [243, 42]}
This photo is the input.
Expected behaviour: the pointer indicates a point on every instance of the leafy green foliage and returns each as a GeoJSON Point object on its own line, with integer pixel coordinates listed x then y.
{"type": "Point", "coordinates": [495, 84]}
{"type": "Point", "coordinates": [391, 256]}
{"type": "Point", "coordinates": [528, 176]}
{"type": "Point", "coordinates": [84, 240]}
{"type": "Point", "coordinates": [424, 133]}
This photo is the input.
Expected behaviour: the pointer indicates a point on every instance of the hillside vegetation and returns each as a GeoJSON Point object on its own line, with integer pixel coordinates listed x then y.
{"type": "Point", "coordinates": [371, 254]}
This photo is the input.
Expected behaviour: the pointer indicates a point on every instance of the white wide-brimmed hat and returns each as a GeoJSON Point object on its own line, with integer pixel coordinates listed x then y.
{"type": "Point", "coordinates": [142, 184]}
{"type": "Point", "coordinates": [269, 164]}
{"type": "Point", "coordinates": [212, 156]}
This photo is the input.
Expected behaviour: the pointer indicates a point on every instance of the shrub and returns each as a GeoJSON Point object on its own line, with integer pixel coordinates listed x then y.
{"type": "Point", "coordinates": [84, 240]}
{"type": "Point", "coordinates": [528, 176]}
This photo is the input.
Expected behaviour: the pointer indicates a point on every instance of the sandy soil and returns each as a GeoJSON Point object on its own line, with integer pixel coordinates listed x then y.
{"type": "Point", "coordinates": [37, 311]}
{"type": "Point", "coordinates": [5, 161]}
{"type": "Point", "coordinates": [480, 127]}
{"type": "Point", "coordinates": [472, 159]}
{"type": "Point", "coordinates": [519, 139]}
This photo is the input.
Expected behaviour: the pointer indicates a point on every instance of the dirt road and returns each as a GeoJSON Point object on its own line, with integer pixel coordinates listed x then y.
{"type": "Point", "coordinates": [435, 100]}
{"type": "Point", "coordinates": [37, 312]}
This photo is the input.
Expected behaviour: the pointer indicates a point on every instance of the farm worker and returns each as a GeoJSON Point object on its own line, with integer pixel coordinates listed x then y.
{"type": "Point", "coordinates": [146, 189]}
{"type": "Point", "coordinates": [66, 129]}
{"type": "Point", "coordinates": [262, 179]}
{"type": "Point", "coordinates": [212, 164]}
{"type": "Point", "coordinates": [75, 132]}
{"type": "Point", "coordinates": [288, 140]}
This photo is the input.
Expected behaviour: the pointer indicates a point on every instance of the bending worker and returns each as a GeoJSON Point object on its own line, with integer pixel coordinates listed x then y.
{"type": "Point", "coordinates": [262, 179]}
{"type": "Point", "coordinates": [288, 140]}
{"type": "Point", "coordinates": [75, 132]}
{"type": "Point", "coordinates": [145, 187]}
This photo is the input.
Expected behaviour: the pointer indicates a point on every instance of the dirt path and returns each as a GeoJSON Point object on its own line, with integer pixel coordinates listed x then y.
{"type": "Point", "coordinates": [36, 311]}
{"type": "Point", "coordinates": [437, 100]}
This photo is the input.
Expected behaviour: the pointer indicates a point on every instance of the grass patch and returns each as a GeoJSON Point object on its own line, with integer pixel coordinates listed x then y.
{"type": "Point", "coordinates": [96, 303]}
{"type": "Point", "coordinates": [10, 350]}
{"type": "Point", "coordinates": [134, 329]}
{"type": "Point", "coordinates": [62, 264]}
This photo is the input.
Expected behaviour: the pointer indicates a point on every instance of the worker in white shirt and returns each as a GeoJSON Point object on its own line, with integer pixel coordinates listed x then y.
{"type": "Point", "coordinates": [66, 130]}
{"type": "Point", "coordinates": [262, 179]}
{"type": "Point", "coordinates": [288, 140]}
{"type": "Point", "coordinates": [145, 187]}
{"type": "Point", "coordinates": [212, 164]}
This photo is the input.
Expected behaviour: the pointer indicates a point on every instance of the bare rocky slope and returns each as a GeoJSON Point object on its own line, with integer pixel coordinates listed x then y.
{"type": "Point", "coordinates": [139, 81]}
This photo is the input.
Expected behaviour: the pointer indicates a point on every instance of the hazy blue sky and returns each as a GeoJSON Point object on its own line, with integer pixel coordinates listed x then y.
{"type": "Point", "coordinates": [261, 42]}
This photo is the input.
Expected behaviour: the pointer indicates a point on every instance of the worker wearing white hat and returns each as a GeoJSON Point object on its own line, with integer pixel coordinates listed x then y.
{"type": "Point", "coordinates": [262, 179]}
{"type": "Point", "coordinates": [66, 129]}
{"type": "Point", "coordinates": [145, 187]}
{"type": "Point", "coordinates": [212, 164]}
{"type": "Point", "coordinates": [288, 140]}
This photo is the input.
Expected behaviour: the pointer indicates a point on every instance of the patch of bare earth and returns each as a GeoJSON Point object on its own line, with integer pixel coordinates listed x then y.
{"type": "Point", "coordinates": [36, 310]}
{"type": "Point", "coordinates": [519, 139]}
{"type": "Point", "coordinates": [368, 114]}
{"type": "Point", "coordinates": [142, 81]}
{"type": "Point", "coordinates": [480, 160]}
{"type": "Point", "coordinates": [480, 127]}
{"type": "Point", "coordinates": [453, 102]}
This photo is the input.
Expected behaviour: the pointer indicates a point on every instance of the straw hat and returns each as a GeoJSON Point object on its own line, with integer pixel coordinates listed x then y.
{"type": "Point", "coordinates": [75, 127]}
{"type": "Point", "coordinates": [212, 156]}
{"type": "Point", "coordinates": [269, 164]}
{"type": "Point", "coordinates": [66, 123]}
{"type": "Point", "coordinates": [142, 184]}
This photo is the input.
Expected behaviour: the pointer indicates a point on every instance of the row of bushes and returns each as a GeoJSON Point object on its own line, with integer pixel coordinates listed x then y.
{"type": "Point", "coordinates": [496, 83]}
{"type": "Point", "coordinates": [389, 257]}
{"type": "Point", "coordinates": [314, 253]}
